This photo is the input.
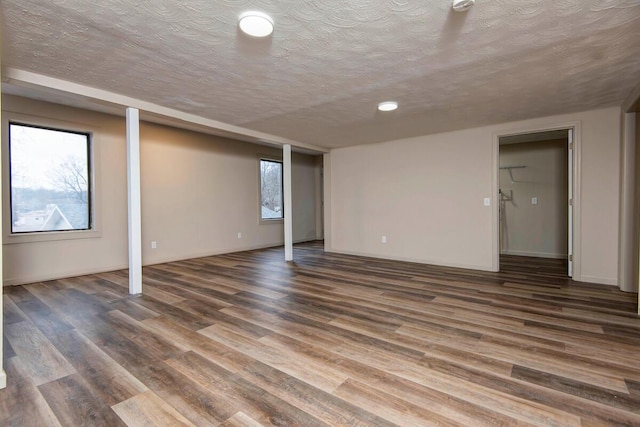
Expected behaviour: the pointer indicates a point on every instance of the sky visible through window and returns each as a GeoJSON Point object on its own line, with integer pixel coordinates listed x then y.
{"type": "Point", "coordinates": [49, 179]}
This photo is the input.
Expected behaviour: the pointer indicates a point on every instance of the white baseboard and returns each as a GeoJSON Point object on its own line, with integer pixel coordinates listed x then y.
{"type": "Point", "coordinates": [194, 255]}
{"type": "Point", "coordinates": [15, 281]}
{"type": "Point", "coordinates": [219, 252]}
{"type": "Point", "coordinates": [534, 254]}
{"type": "Point", "coordinates": [83, 272]}
{"type": "Point", "coordinates": [414, 260]}
{"type": "Point", "coordinates": [3, 379]}
{"type": "Point", "coordinates": [599, 280]}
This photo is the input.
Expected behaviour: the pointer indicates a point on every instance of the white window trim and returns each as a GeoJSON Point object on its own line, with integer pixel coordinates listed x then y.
{"type": "Point", "coordinates": [267, 221]}
{"type": "Point", "coordinates": [94, 151]}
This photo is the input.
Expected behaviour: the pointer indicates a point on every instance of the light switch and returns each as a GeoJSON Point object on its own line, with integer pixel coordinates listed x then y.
{"type": "Point", "coordinates": [487, 201]}
{"type": "Point", "coordinates": [534, 200]}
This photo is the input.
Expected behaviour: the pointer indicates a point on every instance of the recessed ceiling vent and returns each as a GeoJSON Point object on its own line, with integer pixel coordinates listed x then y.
{"type": "Point", "coordinates": [462, 5]}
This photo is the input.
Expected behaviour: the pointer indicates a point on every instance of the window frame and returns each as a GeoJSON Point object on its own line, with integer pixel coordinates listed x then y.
{"type": "Point", "coordinates": [272, 159]}
{"type": "Point", "coordinates": [94, 230]}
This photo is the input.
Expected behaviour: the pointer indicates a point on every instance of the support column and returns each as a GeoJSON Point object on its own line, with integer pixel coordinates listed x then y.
{"type": "Point", "coordinates": [326, 197]}
{"type": "Point", "coordinates": [3, 375]}
{"type": "Point", "coordinates": [133, 187]}
{"type": "Point", "coordinates": [288, 211]}
{"type": "Point", "coordinates": [628, 240]}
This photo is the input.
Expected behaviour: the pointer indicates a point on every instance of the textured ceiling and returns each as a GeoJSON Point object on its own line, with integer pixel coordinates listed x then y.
{"type": "Point", "coordinates": [318, 79]}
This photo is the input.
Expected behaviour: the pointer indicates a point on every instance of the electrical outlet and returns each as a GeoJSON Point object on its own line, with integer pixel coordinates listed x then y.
{"type": "Point", "coordinates": [239, 235]}
{"type": "Point", "coordinates": [154, 245]}
{"type": "Point", "coordinates": [534, 200]}
{"type": "Point", "coordinates": [384, 239]}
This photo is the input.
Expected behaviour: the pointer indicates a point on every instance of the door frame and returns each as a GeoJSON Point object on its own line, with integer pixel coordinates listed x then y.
{"type": "Point", "coordinates": [575, 181]}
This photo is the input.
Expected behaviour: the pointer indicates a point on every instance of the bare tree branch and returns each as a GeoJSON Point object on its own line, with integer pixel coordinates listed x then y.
{"type": "Point", "coordinates": [71, 176]}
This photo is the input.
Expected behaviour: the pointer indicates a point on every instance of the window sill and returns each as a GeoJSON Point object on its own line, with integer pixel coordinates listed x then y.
{"type": "Point", "coordinates": [266, 221]}
{"type": "Point", "coordinates": [50, 236]}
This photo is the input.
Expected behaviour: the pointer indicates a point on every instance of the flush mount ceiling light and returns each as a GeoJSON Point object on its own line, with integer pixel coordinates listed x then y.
{"type": "Point", "coordinates": [256, 24]}
{"type": "Point", "coordinates": [462, 5]}
{"type": "Point", "coordinates": [388, 106]}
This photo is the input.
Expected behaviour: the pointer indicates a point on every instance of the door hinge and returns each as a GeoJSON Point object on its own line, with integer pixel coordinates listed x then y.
{"type": "Point", "coordinates": [570, 202]}
{"type": "Point", "coordinates": [571, 258]}
{"type": "Point", "coordinates": [571, 146]}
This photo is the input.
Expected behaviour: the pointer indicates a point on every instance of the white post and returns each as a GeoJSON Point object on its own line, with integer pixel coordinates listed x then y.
{"type": "Point", "coordinates": [627, 237]}
{"type": "Point", "coordinates": [288, 211]}
{"type": "Point", "coordinates": [135, 216]}
{"type": "Point", "coordinates": [3, 375]}
{"type": "Point", "coordinates": [326, 197]}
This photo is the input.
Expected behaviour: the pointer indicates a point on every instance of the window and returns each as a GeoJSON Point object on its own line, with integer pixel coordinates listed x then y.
{"type": "Point", "coordinates": [271, 200]}
{"type": "Point", "coordinates": [50, 179]}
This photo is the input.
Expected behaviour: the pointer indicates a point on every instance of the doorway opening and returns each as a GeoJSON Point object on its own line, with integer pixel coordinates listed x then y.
{"type": "Point", "coordinates": [535, 203]}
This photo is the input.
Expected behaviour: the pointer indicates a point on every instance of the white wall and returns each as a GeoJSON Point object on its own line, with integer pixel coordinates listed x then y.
{"type": "Point", "coordinates": [3, 375]}
{"type": "Point", "coordinates": [305, 203]}
{"type": "Point", "coordinates": [636, 228]}
{"type": "Point", "coordinates": [426, 195]}
{"type": "Point", "coordinates": [528, 229]}
{"type": "Point", "coordinates": [198, 192]}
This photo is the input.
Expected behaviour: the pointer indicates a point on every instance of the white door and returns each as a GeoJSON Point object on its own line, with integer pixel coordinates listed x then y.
{"type": "Point", "coordinates": [570, 201]}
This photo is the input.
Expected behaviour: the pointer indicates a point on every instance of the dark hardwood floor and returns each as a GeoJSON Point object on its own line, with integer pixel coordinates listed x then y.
{"type": "Point", "coordinates": [245, 340]}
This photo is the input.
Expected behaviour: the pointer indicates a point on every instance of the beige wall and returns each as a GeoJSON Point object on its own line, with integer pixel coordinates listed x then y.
{"type": "Point", "coordinates": [198, 192]}
{"type": "Point", "coordinates": [426, 195]}
{"type": "Point", "coordinates": [538, 230]}
{"type": "Point", "coordinates": [3, 375]}
{"type": "Point", "coordinates": [304, 191]}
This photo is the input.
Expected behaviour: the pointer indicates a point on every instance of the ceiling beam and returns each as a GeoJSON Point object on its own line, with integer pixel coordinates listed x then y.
{"type": "Point", "coordinates": [102, 100]}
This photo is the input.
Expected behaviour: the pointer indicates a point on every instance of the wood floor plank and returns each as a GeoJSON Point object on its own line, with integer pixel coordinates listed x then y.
{"type": "Point", "coordinates": [43, 317]}
{"type": "Point", "coordinates": [389, 407]}
{"type": "Point", "coordinates": [9, 352]}
{"type": "Point", "coordinates": [296, 367]}
{"type": "Point", "coordinates": [148, 410]}
{"type": "Point", "coordinates": [323, 406]}
{"type": "Point", "coordinates": [39, 357]}
{"type": "Point", "coordinates": [130, 308]}
{"type": "Point", "coordinates": [106, 377]}
{"type": "Point", "coordinates": [566, 385]}
{"type": "Point", "coordinates": [12, 313]}
{"type": "Point", "coordinates": [21, 403]}
{"type": "Point", "coordinates": [234, 392]}
{"type": "Point", "coordinates": [74, 403]}
{"type": "Point", "coordinates": [240, 419]}
{"type": "Point", "coordinates": [155, 345]}
{"type": "Point", "coordinates": [227, 357]}
{"type": "Point", "coordinates": [460, 388]}
{"type": "Point", "coordinates": [193, 401]}
{"type": "Point", "coordinates": [555, 363]}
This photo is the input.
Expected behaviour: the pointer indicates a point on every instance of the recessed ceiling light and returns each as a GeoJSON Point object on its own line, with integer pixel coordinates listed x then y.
{"type": "Point", "coordinates": [388, 106]}
{"type": "Point", "coordinates": [256, 24]}
{"type": "Point", "coordinates": [462, 5]}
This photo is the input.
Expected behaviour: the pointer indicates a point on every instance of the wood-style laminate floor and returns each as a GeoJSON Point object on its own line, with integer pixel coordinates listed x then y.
{"type": "Point", "coordinates": [246, 340]}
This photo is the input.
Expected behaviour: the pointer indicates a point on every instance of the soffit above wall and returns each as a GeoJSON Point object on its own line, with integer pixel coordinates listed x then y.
{"type": "Point", "coordinates": [551, 135]}
{"type": "Point", "coordinates": [318, 79]}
